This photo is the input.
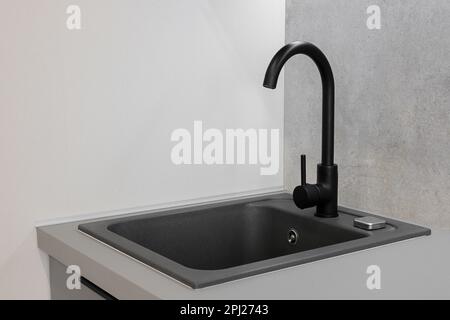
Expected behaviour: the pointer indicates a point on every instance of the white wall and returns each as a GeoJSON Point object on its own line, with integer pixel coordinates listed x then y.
{"type": "Point", "coordinates": [86, 116]}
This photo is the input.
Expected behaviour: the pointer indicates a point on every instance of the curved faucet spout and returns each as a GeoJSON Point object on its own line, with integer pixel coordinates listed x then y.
{"type": "Point", "coordinates": [323, 194]}
{"type": "Point", "coordinates": [271, 78]}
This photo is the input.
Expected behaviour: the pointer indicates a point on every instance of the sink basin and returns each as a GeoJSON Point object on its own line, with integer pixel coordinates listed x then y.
{"type": "Point", "coordinates": [230, 236]}
{"type": "Point", "coordinates": [210, 244]}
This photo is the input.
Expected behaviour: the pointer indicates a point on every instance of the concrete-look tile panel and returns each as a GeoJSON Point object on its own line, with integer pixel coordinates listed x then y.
{"type": "Point", "coordinates": [392, 104]}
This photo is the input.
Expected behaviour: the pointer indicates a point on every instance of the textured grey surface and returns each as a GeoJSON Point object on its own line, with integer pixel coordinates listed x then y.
{"type": "Point", "coordinates": [392, 104]}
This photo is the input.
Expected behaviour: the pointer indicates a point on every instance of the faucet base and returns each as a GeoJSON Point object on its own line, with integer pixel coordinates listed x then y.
{"type": "Point", "coordinates": [327, 179]}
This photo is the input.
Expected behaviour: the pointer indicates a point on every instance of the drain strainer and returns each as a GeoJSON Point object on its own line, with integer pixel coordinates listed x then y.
{"type": "Point", "coordinates": [292, 236]}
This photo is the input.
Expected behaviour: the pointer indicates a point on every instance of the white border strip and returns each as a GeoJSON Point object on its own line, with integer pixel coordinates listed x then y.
{"type": "Point", "coordinates": [165, 205]}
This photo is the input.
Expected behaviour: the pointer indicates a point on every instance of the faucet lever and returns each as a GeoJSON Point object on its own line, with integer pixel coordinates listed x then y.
{"type": "Point", "coordinates": [303, 169]}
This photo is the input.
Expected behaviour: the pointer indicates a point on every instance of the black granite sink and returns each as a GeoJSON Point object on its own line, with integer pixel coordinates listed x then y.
{"type": "Point", "coordinates": [214, 243]}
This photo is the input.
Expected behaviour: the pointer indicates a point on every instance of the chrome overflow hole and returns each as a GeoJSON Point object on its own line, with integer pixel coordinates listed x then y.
{"type": "Point", "coordinates": [292, 236]}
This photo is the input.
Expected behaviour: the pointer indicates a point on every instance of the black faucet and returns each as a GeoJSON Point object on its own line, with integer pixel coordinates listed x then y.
{"type": "Point", "coordinates": [323, 194]}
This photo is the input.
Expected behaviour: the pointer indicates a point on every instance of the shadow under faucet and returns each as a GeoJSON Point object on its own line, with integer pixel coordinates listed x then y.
{"type": "Point", "coordinates": [323, 194]}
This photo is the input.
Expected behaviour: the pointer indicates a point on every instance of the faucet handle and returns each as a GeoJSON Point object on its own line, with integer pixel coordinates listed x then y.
{"type": "Point", "coordinates": [306, 195]}
{"type": "Point", "coordinates": [303, 169]}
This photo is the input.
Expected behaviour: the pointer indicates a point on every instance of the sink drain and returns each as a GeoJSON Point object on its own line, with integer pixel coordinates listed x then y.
{"type": "Point", "coordinates": [292, 236]}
